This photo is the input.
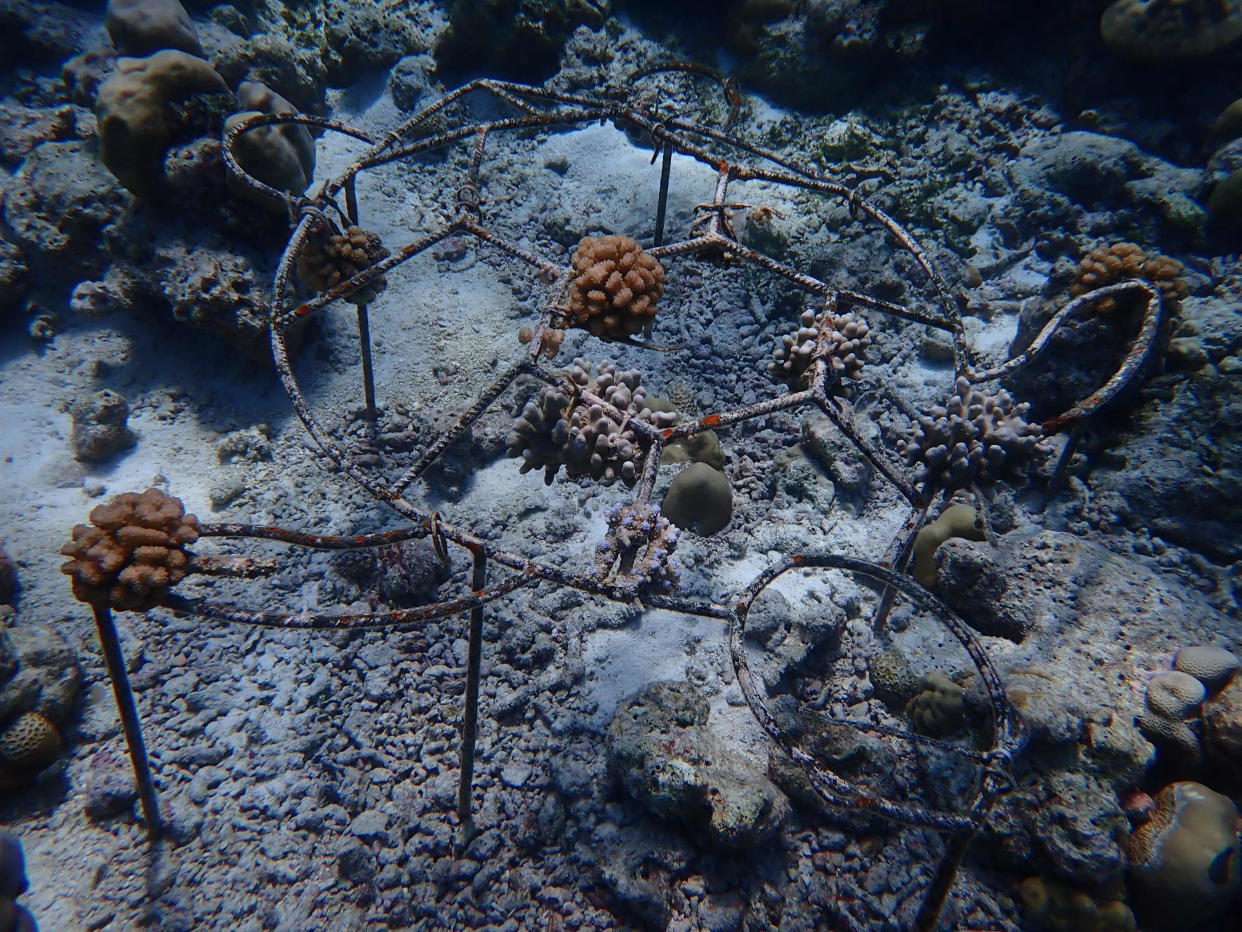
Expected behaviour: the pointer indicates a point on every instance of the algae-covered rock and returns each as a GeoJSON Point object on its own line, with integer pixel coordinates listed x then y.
{"type": "Point", "coordinates": [1063, 824]}
{"type": "Point", "coordinates": [669, 761]}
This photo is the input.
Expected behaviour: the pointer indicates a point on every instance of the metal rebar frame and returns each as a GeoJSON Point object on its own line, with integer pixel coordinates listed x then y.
{"type": "Point", "coordinates": [733, 159]}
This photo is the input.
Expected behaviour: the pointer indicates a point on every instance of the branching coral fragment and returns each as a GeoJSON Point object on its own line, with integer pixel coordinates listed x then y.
{"type": "Point", "coordinates": [973, 438]}
{"type": "Point", "coordinates": [133, 551]}
{"type": "Point", "coordinates": [559, 428]}
{"type": "Point", "coordinates": [616, 288]}
{"type": "Point", "coordinates": [843, 339]}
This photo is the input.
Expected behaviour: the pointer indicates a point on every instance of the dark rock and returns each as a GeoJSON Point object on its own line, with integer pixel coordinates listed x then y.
{"type": "Point", "coordinates": [109, 788]}
{"type": "Point", "coordinates": [362, 37]}
{"type": "Point", "coordinates": [1182, 472]}
{"type": "Point", "coordinates": [409, 84]}
{"type": "Point", "coordinates": [59, 208]}
{"type": "Point", "coordinates": [525, 37]}
{"type": "Point", "coordinates": [8, 583]}
{"type": "Point", "coordinates": [974, 585]}
{"type": "Point", "coordinates": [677, 768]}
{"type": "Point", "coordinates": [100, 426]}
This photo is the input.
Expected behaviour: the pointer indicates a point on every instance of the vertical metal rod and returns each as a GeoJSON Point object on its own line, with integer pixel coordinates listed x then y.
{"type": "Point", "coordinates": [364, 321]}
{"type": "Point", "coordinates": [351, 200]}
{"type": "Point", "coordinates": [130, 724]}
{"type": "Point", "coordinates": [666, 166]}
{"type": "Point", "coordinates": [942, 882]}
{"type": "Point", "coordinates": [368, 371]}
{"type": "Point", "coordinates": [470, 717]}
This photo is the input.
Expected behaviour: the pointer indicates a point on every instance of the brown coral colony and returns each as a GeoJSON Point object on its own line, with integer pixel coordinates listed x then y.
{"type": "Point", "coordinates": [326, 261]}
{"type": "Point", "coordinates": [1118, 262]}
{"type": "Point", "coordinates": [132, 552]}
{"type": "Point", "coordinates": [616, 288]}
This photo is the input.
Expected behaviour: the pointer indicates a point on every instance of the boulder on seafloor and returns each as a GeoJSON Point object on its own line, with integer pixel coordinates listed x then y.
{"type": "Point", "coordinates": [671, 763]}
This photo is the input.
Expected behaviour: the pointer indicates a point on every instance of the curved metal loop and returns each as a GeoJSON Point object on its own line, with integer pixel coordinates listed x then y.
{"type": "Point", "coordinates": [728, 85]}
{"type": "Point", "coordinates": [1008, 735]}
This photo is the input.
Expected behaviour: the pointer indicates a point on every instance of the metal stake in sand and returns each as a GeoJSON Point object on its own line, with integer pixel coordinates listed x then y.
{"type": "Point", "coordinates": [666, 167]}
{"type": "Point", "coordinates": [470, 716]}
{"type": "Point", "coordinates": [364, 321]}
{"type": "Point", "coordinates": [130, 724]}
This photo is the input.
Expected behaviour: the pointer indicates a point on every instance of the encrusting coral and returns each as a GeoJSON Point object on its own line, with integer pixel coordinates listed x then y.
{"type": "Point", "coordinates": [1184, 861]}
{"type": "Point", "coordinates": [557, 428]}
{"type": "Point", "coordinates": [1119, 262]}
{"type": "Point", "coordinates": [961, 521]}
{"type": "Point", "coordinates": [616, 288]}
{"type": "Point", "coordinates": [327, 260]}
{"type": "Point", "coordinates": [972, 438]}
{"type": "Point", "coordinates": [847, 338]}
{"type": "Point", "coordinates": [133, 551]}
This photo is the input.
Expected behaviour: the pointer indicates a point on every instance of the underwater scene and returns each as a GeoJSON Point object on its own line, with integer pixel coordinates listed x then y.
{"type": "Point", "coordinates": [618, 465]}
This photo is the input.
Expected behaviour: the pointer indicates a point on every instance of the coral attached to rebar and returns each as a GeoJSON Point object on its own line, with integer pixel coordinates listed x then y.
{"type": "Point", "coordinates": [973, 438]}
{"type": "Point", "coordinates": [133, 551]}
{"type": "Point", "coordinates": [560, 428]}
{"type": "Point", "coordinates": [638, 548]}
{"type": "Point", "coordinates": [845, 339]}
{"type": "Point", "coordinates": [1118, 262]}
{"type": "Point", "coordinates": [617, 286]}
{"type": "Point", "coordinates": [331, 258]}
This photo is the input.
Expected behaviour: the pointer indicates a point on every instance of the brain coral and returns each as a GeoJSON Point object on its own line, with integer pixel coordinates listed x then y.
{"type": "Point", "coordinates": [1212, 666]}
